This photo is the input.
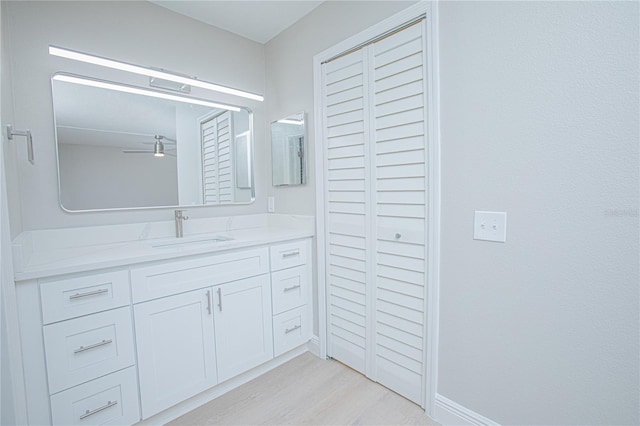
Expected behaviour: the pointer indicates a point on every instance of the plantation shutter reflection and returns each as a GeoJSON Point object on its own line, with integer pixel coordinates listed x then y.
{"type": "Point", "coordinates": [217, 159]}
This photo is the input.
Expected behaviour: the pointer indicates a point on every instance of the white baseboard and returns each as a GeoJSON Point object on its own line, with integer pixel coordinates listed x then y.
{"type": "Point", "coordinates": [448, 413]}
{"type": "Point", "coordinates": [314, 345]}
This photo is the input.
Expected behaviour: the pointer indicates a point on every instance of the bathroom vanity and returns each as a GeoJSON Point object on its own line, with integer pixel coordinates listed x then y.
{"type": "Point", "coordinates": [121, 323]}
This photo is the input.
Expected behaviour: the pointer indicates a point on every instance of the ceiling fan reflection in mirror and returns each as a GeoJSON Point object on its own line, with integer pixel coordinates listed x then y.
{"type": "Point", "coordinates": [158, 147]}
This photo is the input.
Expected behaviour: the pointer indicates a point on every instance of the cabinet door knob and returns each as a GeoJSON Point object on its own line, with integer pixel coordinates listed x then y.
{"type": "Point", "coordinates": [398, 236]}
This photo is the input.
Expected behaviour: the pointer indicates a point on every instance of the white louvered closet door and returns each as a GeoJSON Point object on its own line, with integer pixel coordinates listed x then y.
{"type": "Point", "coordinates": [347, 185]}
{"type": "Point", "coordinates": [375, 181]}
{"type": "Point", "coordinates": [400, 211]}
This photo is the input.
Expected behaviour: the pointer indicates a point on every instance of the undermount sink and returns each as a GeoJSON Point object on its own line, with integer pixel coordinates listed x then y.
{"type": "Point", "coordinates": [188, 242]}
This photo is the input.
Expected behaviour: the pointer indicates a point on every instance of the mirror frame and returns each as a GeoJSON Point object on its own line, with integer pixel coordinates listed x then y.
{"type": "Point", "coordinates": [176, 206]}
{"type": "Point", "coordinates": [304, 163]}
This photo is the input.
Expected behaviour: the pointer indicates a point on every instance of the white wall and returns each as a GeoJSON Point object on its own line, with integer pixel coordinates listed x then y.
{"type": "Point", "coordinates": [540, 118]}
{"type": "Point", "coordinates": [239, 156]}
{"type": "Point", "coordinates": [7, 410]}
{"type": "Point", "coordinates": [133, 31]}
{"type": "Point", "coordinates": [189, 156]}
{"type": "Point", "coordinates": [88, 181]}
{"type": "Point", "coordinates": [12, 400]}
{"type": "Point", "coordinates": [9, 148]}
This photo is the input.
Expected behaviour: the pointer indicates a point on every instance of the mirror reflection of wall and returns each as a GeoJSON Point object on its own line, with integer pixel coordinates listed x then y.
{"type": "Point", "coordinates": [288, 151]}
{"type": "Point", "coordinates": [121, 150]}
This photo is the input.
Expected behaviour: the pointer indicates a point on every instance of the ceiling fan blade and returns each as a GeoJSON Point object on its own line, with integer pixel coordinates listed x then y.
{"type": "Point", "coordinates": [142, 151]}
{"type": "Point", "coordinates": [164, 138]}
{"type": "Point", "coordinates": [153, 143]}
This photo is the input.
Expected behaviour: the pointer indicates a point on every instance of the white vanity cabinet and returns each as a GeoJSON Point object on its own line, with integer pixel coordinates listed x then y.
{"type": "Point", "coordinates": [89, 349]}
{"type": "Point", "coordinates": [124, 343]}
{"type": "Point", "coordinates": [188, 341]}
{"type": "Point", "coordinates": [291, 294]}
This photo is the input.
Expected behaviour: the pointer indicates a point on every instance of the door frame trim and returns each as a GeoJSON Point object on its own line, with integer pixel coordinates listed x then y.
{"type": "Point", "coordinates": [430, 10]}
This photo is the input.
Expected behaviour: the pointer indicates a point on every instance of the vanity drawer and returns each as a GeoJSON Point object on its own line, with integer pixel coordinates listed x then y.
{"type": "Point", "coordinates": [290, 288]}
{"type": "Point", "coordinates": [152, 282]}
{"type": "Point", "coordinates": [109, 400]}
{"type": "Point", "coordinates": [74, 297]}
{"type": "Point", "coordinates": [82, 349]}
{"type": "Point", "coordinates": [291, 329]}
{"type": "Point", "coordinates": [289, 255]}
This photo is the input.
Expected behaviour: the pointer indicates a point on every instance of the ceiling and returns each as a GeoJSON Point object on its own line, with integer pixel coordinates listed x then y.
{"type": "Point", "coordinates": [256, 20]}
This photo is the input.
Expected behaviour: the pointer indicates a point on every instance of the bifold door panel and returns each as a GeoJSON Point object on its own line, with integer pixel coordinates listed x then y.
{"type": "Point", "coordinates": [375, 213]}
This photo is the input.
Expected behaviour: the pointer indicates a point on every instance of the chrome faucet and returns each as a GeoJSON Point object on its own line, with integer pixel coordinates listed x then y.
{"type": "Point", "coordinates": [179, 218]}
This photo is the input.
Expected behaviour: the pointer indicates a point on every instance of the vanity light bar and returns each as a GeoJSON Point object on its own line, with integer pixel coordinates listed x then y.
{"type": "Point", "coordinates": [123, 66]}
{"type": "Point", "coordinates": [138, 91]}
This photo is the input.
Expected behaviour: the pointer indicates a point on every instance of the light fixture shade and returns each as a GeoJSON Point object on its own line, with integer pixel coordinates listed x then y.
{"type": "Point", "coordinates": [102, 84]}
{"type": "Point", "coordinates": [123, 66]}
{"type": "Point", "coordinates": [158, 149]}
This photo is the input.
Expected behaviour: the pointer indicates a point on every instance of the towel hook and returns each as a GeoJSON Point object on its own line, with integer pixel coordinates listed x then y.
{"type": "Point", "coordinates": [26, 133]}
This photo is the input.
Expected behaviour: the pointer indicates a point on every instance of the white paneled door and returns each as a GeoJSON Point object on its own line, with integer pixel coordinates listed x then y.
{"type": "Point", "coordinates": [375, 214]}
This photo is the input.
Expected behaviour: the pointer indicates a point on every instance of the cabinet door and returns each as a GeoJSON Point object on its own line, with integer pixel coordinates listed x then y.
{"type": "Point", "coordinates": [242, 325]}
{"type": "Point", "coordinates": [176, 356]}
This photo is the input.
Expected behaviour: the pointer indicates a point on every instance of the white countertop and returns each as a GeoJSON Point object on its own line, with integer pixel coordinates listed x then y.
{"type": "Point", "coordinates": [43, 259]}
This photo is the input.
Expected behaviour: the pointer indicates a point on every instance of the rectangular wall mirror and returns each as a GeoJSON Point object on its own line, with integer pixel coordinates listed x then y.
{"type": "Point", "coordinates": [288, 151]}
{"type": "Point", "coordinates": [119, 147]}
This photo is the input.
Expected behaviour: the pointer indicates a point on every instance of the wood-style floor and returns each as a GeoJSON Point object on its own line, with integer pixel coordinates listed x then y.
{"type": "Point", "coordinates": [308, 391]}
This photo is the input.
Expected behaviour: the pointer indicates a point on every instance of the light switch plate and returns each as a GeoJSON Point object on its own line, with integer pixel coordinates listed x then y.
{"type": "Point", "coordinates": [490, 226]}
{"type": "Point", "coordinates": [271, 204]}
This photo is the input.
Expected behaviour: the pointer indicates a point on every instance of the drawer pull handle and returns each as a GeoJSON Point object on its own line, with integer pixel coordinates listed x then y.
{"type": "Point", "coordinates": [88, 413]}
{"type": "Point", "coordinates": [293, 287]}
{"type": "Point", "coordinates": [89, 293]}
{"type": "Point", "coordinates": [220, 299]}
{"type": "Point", "coordinates": [291, 254]}
{"type": "Point", "coordinates": [95, 345]}
{"type": "Point", "coordinates": [289, 330]}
